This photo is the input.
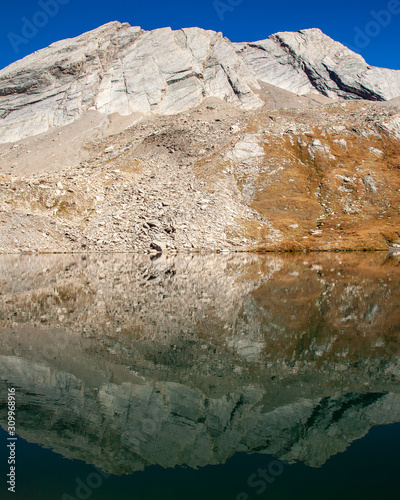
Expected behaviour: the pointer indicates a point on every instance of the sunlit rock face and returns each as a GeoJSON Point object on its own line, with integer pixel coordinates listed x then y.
{"type": "Point", "coordinates": [122, 69]}
{"type": "Point", "coordinates": [310, 62]}
{"type": "Point", "coordinates": [125, 361]}
{"type": "Point", "coordinates": [118, 68]}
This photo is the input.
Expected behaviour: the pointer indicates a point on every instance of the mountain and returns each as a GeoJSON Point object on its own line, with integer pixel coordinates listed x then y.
{"type": "Point", "coordinates": [123, 139]}
{"type": "Point", "coordinates": [309, 62]}
{"type": "Point", "coordinates": [123, 69]}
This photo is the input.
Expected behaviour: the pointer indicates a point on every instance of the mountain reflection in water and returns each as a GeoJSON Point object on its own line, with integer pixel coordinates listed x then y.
{"type": "Point", "coordinates": [126, 361]}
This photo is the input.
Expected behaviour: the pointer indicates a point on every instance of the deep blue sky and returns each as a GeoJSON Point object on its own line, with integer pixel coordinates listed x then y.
{"type": "Point", "coordinates": [248, 20]}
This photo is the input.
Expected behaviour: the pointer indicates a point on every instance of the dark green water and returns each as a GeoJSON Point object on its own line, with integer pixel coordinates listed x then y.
{"type": "Point", "coordinates": [368, 469]}
{"type": "Point", "coordinates": [202, 377]}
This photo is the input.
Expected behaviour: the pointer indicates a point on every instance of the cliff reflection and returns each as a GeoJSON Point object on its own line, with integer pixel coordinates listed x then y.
{"type": "Point", "coordinates": [124, 361]}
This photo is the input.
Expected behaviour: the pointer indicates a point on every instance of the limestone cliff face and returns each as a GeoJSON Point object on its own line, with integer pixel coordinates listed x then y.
{"type": "Point", "coordinates": [123, 69]}
{"type": "Point", "coordinates": [309, 62]}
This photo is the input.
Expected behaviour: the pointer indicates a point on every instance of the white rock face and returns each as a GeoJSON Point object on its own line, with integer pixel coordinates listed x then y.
{"type": "Point", "coordinates": [308, 61]}
{"type": "Point", "coordinates": [120, 68]}
{"type": "Point", "coordinates": [123, 69]}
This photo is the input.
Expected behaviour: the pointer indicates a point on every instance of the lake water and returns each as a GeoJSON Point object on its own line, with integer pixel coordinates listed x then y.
{"type": "Point", "coordinates": [201, 377]}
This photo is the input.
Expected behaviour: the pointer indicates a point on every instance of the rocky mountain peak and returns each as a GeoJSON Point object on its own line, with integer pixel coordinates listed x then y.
{"type": "Point", "coordinates": [118, 68]}
{"type": "Point", "coordinates": [310, 62]}
{"type": "Point", "coordinates": [122, 69]}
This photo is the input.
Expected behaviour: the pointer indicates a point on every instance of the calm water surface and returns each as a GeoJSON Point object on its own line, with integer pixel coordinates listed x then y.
{"type": "Point", "coordinates": [201, 377]}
